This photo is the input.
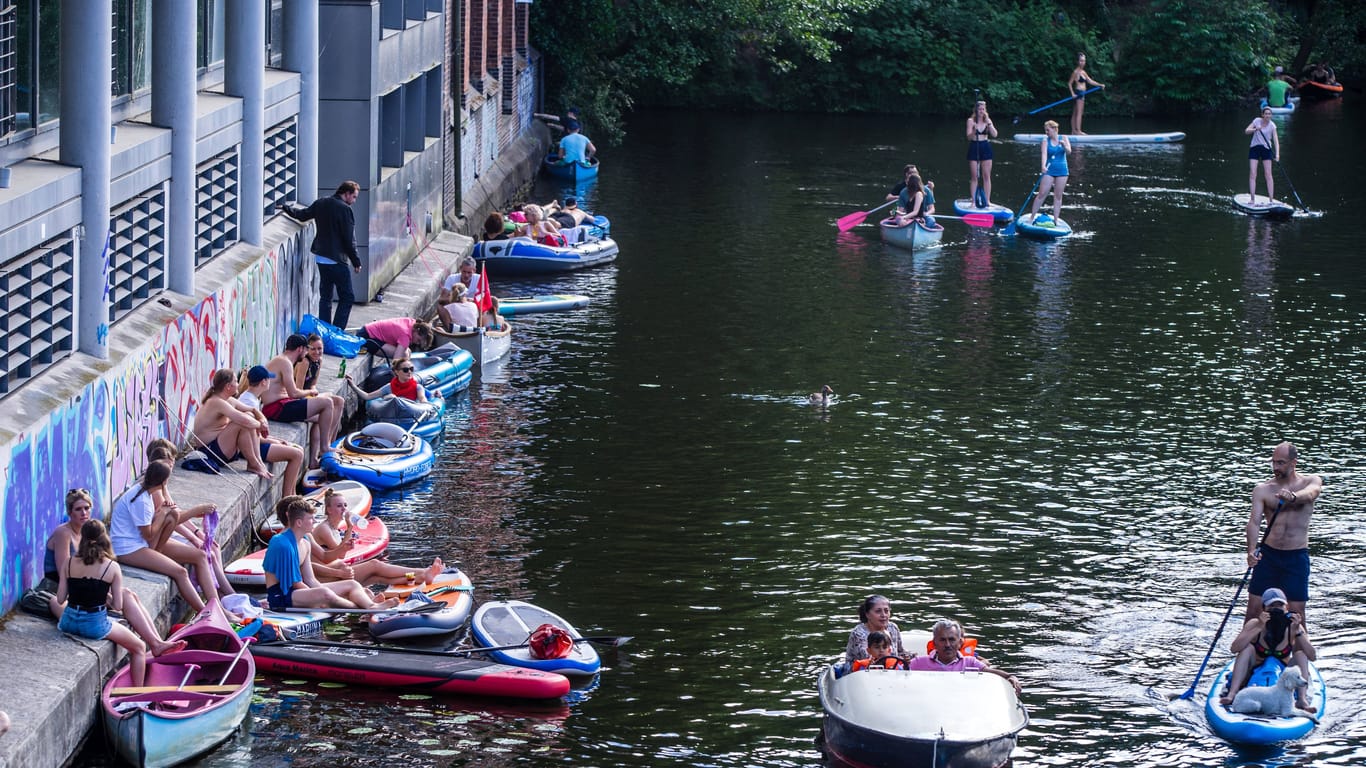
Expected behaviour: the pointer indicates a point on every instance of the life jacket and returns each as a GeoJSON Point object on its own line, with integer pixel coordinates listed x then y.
{"type": "Point", "coordinates": [967, 648]}
{"type": "Point", "coordinates": [887, 662]}
{"type": "Point", "coordinates": [550, 642]}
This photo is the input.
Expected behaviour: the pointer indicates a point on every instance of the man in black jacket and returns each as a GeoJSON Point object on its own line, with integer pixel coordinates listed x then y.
{"type": "Point", "coordinates": [335, 240]}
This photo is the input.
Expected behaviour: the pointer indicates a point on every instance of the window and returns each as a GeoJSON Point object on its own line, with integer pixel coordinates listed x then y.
{"type": "Point", "coordinates": [132, 45]}
{"type": "Point", "coordinates": [211, 43]}
{"type": "Point", "coordinates": [275, 34]}
{"type": "Point", "coordinates": [9, 41]}
{"type": "Point", "coordinates": [37, 77]}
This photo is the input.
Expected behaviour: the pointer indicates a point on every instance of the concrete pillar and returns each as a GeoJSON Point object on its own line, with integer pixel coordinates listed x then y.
{"type": "Point", "coordinates": [244, 77]}
{"type": "Point", "coordinates": [86, 82]}
{"type": "Point", "coordinates": [173, 106]}
{"type": "Point", "coordinates": [301, 55]}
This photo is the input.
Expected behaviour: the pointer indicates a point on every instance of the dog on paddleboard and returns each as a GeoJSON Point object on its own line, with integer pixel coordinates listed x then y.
{"type": "Point", "coordinates": [1277, 700]}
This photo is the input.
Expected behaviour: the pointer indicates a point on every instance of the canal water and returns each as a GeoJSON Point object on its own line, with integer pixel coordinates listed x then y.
{"type": "Point", "coordinates": [1053, 443]}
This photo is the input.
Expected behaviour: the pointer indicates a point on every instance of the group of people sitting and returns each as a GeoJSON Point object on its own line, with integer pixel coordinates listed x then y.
{"type": "Point", "coordinates": [541, 223]}
{"type": "Point", "coordinates": [914, 198]}
{"type": "Point", "coordinates": [876, 642]}
{"type": "Point", "coordinates": [1274, 632]}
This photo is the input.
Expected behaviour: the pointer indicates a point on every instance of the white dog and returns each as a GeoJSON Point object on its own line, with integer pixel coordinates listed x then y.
{"type": "Point", "coordinates": [1277, 700]}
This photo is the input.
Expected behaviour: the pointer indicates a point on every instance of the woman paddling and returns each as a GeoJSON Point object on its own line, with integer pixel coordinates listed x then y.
{"type": "Point", "coordinates": [980, 131]}
{"type": "Point", "coordinates": [1053, 153]}
{"type": "Point", "coordinates": [1077, 84]}
{"type": "Point", "coordinates": [1266, 146]}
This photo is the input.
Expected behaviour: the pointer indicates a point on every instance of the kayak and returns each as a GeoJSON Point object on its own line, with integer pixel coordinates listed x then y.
{"type": "Point", "coordinates": [525, 305]}
{"type": "Point", "coordinates": [382, 456]}
{"type": "Point", "coordinates": [190, 700]}
{"type": "Point", "coordinates": [1025, 225]}
{"type": "Point", "coordinates": [1262, 729]}
{"type": "Point", "coordinates": [359, 664]}
{"type": "Point", "coordinates": [511, 622]}
{"type": "Point", "coordinates": [1111, 138]}
{"type": "Point", "coordinates": [452, 588]}
{"type": "Point", "coordinates": [963, 206]}
{"type": "Point", "coordinates": [1289, 107]}
{"type": "Point", "coordinates": [372, 540]}
{"type": "Point", "coordinates": [910, 235]}
{"type": "Point", "coordinates": [1271, 209]}
{"type": "Point", "coordinates": [1316, 91]}
{"type": "Point", "coordinates": [896, 717]}
{"type": "Point", "coordinates": [580, 171]}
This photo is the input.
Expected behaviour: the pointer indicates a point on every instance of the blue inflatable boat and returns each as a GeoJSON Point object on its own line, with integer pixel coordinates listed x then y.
{"type": "Point", "coordinates": [380, 456]}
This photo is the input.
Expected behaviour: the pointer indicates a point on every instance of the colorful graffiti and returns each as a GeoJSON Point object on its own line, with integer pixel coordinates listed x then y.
{"type": "Point", "coordinates": [98, 439]}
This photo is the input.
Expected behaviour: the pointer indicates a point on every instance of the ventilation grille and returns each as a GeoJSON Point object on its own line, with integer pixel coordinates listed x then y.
{"type": "Point", "coordinates": [216, 206]}
{"type": "Point", "coordinates": [36, 291]}
{"type": "Point", "coordinates": [282, 165]}
{"type": "Point", "coordinates": [137, 252]}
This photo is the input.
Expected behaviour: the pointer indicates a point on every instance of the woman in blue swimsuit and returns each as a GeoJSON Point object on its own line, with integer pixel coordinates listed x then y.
{"type": "Point", "coordinates": [1078, 83]}
{"type": "Point", "coordinates": [980, 131]}
{"type": "Point", "coordinates": [1053, 159]}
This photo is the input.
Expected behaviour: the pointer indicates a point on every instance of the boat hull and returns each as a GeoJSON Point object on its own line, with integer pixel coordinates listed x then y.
{"type": "Point", "coordinates": [1319, 91]}
{"type": "Point", "coordinates": [899, 718]}
{"type": "Point", "coordinates": [963, 206]}
{"type": "Point", "coordinates": [1261, 730]}
{"type": "Point", "coordinates": [509, 622]}
{"type": "Point", "coordinates": [1263, 208]}
{"type": "Point", "coordinates": [390, 668]}
{"type": "Point", "coordinates": [170, 727]}
{"type": "Point", "coordinates": [526, 305]}
{"type": "Point", "coordinates": [570, 171]}
{"type": "Point", "coordinates": [520, 256]}
{"type": "Point", "coordinates": [1025, 226]}
{"type": "Point", "coordinates": [913, 235]}
{"type": "Point", "coordinates": [1170, 137]}
{"type": "Point", "coordinates": [483, 344]}
{"type": "Point", "coordinates": [452, 588]}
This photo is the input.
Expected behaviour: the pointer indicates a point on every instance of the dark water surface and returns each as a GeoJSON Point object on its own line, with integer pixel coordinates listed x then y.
{"type": "Point", "coordinates": [1054, 443]}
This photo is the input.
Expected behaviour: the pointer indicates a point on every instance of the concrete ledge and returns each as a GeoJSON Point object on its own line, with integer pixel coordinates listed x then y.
{"type": "Point", "coordinates": [50, 682]}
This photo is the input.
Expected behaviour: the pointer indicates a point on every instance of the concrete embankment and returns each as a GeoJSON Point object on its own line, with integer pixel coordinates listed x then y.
{"type": "Point", "coordinates": [50, 681]}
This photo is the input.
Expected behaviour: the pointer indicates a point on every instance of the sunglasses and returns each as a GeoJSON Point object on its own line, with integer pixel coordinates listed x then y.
{"type": "Point", "coordinates": [407, 368]}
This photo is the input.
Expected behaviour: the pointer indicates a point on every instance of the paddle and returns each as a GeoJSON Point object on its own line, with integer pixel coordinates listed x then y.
{"type": "Point", "coordinates": [1292, 186]}
{"type": "Point", "coordinates": [424, 608]}
{"type": "Point", "coordinates": [973, 219]}
{"type": "Point", "coordinates": [1190, 692]}
{"type": "Point", "coordinates": [1009, 231]}
{"type": "Point", "coordinates": [609, 640]}
{"type": "Point", "coordinates": [1074, 97]}
{"type": "Point", "coordinates": [854, 219]}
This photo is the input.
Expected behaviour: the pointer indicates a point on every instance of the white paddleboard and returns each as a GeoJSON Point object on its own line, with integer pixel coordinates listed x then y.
{"type": "Point", "coordinates": [1111, 138]}
{"type": "Point", "coordinates": [1263, 207]}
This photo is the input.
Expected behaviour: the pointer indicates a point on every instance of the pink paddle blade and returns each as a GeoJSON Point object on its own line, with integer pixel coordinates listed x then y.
{"type": "Point", "coordinates": [852, 220]}
{"type": "Point", "coordinates": [980, 219]}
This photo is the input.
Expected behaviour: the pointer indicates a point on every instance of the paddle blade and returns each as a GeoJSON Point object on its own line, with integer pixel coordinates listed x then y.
{"type": "Point", "coordinates": [980, 219]}
{"type": "Point", "coordinates": [852, 220]}
{"type": "Point", "coordinates": [1009, 231]}
{"type": "Point", "coordinates": [613, 642]}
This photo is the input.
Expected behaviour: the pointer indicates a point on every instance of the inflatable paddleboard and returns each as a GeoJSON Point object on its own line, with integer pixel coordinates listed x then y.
{"type": "Point", "coordinates": [1263, 207]}
{"type": "Point", "coordinates": [963, 206]}
{"type": "Point", "coordinates": [525, 305]}
{"type": "Point", "coordinates": [1111, 138]}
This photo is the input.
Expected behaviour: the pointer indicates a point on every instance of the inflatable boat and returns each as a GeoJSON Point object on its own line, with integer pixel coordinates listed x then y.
{"type": "Point", "coordinates": [382, 456]}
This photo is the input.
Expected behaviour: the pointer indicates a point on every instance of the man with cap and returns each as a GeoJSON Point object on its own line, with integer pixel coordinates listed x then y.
{"type": "Point", "coordinates": [1286, 502]}
{"type": "Point", "coordinates": [1278, 88]}
{"type": "Point", "coordinates": [575, 147]}
{"type": "Point", "coordinates": [285, 401]}
{"type": "Point", "coordinates": [1275, 633]}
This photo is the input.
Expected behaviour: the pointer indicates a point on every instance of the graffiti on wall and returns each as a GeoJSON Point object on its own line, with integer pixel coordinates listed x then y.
{"type": "Point", "coordinates": [98, 440]}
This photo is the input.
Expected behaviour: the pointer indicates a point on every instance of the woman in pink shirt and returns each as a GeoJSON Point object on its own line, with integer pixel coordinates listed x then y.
{"type": "Point", "coordinates": [948, 639]}
{"type": "Point", "coordinates": [397, 337]}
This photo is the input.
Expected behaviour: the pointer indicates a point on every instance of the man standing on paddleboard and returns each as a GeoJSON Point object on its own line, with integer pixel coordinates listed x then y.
{"type": "Point", "coordinates": [1283, 558]}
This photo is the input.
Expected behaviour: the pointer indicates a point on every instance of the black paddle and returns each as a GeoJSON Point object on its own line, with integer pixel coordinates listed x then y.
{"type": "Point", "coordinates": [608, 640]}
{"type": "Point", "coordinates": [1292, 186]}
{"type": "Point", "coordinates": [1190, 692]}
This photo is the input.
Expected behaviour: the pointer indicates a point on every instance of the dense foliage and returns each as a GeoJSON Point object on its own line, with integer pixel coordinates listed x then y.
{"type": "Point", "coordinates": [928, 55]}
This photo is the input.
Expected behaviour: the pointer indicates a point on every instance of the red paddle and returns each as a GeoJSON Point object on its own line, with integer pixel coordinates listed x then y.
{"type": "Point", "coordinates": [972, 219]}
{"type": "Point", "coordinates": [854, 219]}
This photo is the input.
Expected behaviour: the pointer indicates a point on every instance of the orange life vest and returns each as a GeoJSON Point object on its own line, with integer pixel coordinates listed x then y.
{"type": "Point", "coordinates": [888, 662]}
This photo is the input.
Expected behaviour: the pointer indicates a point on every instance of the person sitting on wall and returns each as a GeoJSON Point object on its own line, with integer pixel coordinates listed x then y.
{"type": "Point", "coordinates": [283, 401]}
{"type": "Point", "coordinates": [227, 429]}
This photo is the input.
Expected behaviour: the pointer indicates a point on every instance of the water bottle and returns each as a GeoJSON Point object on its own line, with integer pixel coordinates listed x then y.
{"type": "Point", "coordinates": [359, 523]}
{"type": "Point", "coordinates": [341, 374]}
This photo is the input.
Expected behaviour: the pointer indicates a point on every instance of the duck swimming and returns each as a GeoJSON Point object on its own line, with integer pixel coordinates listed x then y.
{"type": "Point", "coordinates": [823, 397]}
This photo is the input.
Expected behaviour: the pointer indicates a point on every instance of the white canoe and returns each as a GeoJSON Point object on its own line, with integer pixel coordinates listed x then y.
{"type": "Point", "coordinates": [1111, 138]}
{"type": "Point", "coordinates": [484, 344]}
{"type": "Point", "coordinates": [911, 235]}
{"type": "Point", "coordinates": [884, 717]}
{"type": "Point", "coordinates": [1271, 209]}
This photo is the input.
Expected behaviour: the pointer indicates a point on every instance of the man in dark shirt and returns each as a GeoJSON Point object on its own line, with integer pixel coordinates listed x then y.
{"type": "Point", "coordinates": [335, 240]}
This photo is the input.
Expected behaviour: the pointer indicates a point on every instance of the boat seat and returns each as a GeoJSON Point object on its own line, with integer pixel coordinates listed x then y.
{"type": "Point", "coordinates": [163, 697]}
{"type": "Point", "coordinates": [193, 656]}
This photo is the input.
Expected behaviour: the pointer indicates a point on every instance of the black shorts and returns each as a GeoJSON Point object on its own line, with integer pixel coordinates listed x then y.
{"type": "Point", "coordinates": [215, 452]}
{"type": "Point", "coordinates": [1260, 153]}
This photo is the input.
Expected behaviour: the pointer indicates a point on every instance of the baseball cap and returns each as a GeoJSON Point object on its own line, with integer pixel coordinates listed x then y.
{"type": "Point", "coordinates": [258, 374]}
{"type": "Point", "coordinates": [1273, 595]}
{"type": "Point", "coordinates": [1280, 70]}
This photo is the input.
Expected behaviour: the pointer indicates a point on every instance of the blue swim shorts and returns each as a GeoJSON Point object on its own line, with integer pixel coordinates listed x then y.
{"type": "Point", "coordinates": [1287, 569]}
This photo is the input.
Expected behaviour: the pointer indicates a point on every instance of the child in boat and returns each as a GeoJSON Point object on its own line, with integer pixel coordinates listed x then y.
{"type": "Point", "coordinates": [879, 654]}
{"type": "Point", "coordinates": [92, 583]}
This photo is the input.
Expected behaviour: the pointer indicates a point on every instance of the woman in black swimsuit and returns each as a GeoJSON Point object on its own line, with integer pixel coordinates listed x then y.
{"type": "Point", "coordinates": [980, 131]}
{"type": "Point", "coordinates": [1275, 633]}
{"type": "Point", "coordinates": [1077, 84]}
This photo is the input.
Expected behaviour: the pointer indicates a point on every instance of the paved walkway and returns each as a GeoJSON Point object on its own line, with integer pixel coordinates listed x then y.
{"type": "Point", "coordinates": [49, 681]}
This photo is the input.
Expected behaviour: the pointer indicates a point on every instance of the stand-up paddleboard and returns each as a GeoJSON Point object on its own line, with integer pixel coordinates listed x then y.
{"type": "Point", "coordinates": [525, 305]}
{"type": "Point", "coordinates": [1026, 225]}
{"type": "Point", "coordinates": [963, 206]}
{"type": "Point", "coordinates": [1111, 138]}
{"type": "Point", "coordinates": [1271, 209]}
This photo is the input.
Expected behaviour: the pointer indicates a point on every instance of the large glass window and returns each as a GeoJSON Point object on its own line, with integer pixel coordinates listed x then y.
{"type": "Point", "coordinates": [210, 32]}
{"type": "Point", "coordinates": [38, 63]}
{"type": "Point", "coordinates": [132, 45]}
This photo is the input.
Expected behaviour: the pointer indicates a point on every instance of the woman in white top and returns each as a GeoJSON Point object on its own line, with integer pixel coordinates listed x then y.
{"type": "Point", "coordinates": [460, 312]}
{"type": "Point", "coordinates": [141, 535]}
{"type": "Point", "coordinates": [1266, 146]}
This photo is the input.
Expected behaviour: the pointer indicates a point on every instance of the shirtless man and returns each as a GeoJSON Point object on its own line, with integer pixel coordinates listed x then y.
{"type": "Point", "coordinates": [283, 401]}
{"type": "Point", "coordinates": [227, 429]}
{"type": "Point", "coordinates": [290, 582]}
{"type": "Point", "coordinates": [1283, 561]}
